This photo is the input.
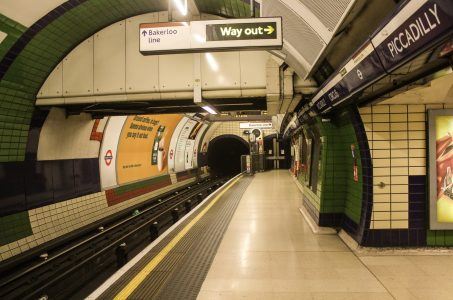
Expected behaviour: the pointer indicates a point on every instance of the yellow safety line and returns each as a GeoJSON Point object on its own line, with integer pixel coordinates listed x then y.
{"type": "Point", "coordinates": [141, 276]}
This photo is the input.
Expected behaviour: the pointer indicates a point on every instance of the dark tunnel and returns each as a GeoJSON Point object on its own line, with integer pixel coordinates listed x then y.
{"type": "Point", "coordinates": [224, 154]}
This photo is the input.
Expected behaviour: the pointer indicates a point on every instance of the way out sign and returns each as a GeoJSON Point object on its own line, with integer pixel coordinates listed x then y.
{"type": "Point", "coordinates": [213, 35]}
{"type": "Point", "coordinates": [241, 31]}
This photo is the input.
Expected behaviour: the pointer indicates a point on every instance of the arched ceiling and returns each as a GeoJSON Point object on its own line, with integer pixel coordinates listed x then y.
{"type": "Point", "coordinates": [36, 35]}
{"type": "Point", "coordinates": [29, 54]}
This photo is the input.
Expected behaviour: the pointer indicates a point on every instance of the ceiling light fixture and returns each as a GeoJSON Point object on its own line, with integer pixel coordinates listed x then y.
{"type": "Point", "coordinates": [209, 109]}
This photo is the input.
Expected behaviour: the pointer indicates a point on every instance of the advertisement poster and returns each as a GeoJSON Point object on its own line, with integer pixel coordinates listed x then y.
{"type": "Point", "coordinates": [174, 144]}
{"type": "Point", "coordinates": [143, 146]}
{"type": "Point", "coordinates": [107, 154]}
{"type": "Point", "coordinates": [307, 152]}
{"type": "Point", "coordinates": [190, 146]}
{"type": "Point", "coordinates": [180, 153]}
{"type": "Point", "coordinates": [441, 168]}
{"type": "Point", "coordinates": [198, 139]}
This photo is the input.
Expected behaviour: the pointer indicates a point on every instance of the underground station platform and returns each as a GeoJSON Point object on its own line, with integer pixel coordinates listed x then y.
{"type": "Point", "coordinates": [234, 149]}
{"type": "Point", "coordinates": [249, 240]}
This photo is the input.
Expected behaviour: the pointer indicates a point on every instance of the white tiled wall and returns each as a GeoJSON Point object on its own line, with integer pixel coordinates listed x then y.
{"type": "Point", "coordinates": [397, 139]}
{"type": "Point", "coordinates": [73, 132]}
{"type": "Point", "coordinates": [52, 221]}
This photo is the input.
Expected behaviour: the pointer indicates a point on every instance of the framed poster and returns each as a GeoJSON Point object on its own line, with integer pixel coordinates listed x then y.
{"type": "Point", "coordinates": [440, 169]}
{"type": "Point", "coordinates": [143, 146]}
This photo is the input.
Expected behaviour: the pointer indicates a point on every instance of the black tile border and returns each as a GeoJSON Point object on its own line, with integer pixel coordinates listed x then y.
{"type": "Point", "coordinates": [395, 238]}
{"type": "Point", "coordinates": [359, 232]}
{"type": "Point", "coordinates": [418, 201]}
{"type": "Point", "coordinates": [25, 186]}
{"type": "Point", "coordinates": [331, 219]}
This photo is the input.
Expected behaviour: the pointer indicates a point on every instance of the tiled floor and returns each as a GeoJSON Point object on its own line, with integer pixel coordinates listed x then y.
{"type": "Point", "coordinates": [414, 277]}
{"type": "Point", "coordinates": [269, 252]}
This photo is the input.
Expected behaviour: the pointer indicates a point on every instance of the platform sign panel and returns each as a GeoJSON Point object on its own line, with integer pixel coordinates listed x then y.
{"type": "Point", "coordinates": [212, 35]}
{"type": "Point", "coordinates": [419, 25]}
{"type": "Point", "coordinates": [441, 168]}
{"type": "Point", "coordinates": [164, 36]}
{"type": "Point", "coordinates": [253, 125]}
{"type": "Point", "coordinates": [241, 31]}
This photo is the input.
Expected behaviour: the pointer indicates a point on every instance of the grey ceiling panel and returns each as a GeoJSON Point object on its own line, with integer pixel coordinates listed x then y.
{"type": "Point", "coordinates": [296, 31]}
{"type": "Point", "coordinates": [329, 12]}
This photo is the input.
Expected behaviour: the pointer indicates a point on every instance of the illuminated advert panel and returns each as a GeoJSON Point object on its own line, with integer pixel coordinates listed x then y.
{"type": "Point", "coordinates": [441, 168]}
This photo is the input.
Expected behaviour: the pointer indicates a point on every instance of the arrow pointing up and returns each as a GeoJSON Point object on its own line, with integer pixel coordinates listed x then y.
{"type": "Point", "coordinates": [269, 29]}
{"type": "Point", "coordinates": [144, 32]}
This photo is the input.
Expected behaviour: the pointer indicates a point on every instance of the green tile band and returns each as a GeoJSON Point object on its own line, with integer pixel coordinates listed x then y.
{"type": "Point", "coordinates": [13, 30]}
{"type": "Point", "coordinates": [14, 227]}
{"type": "Point", "coordinates": [142, 184]}
{"type": "Point", "coordinates": [441, 238]}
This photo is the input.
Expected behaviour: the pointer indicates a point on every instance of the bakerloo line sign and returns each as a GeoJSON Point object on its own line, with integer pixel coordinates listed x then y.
{"type": "Point", "coordinates": [212, 35]}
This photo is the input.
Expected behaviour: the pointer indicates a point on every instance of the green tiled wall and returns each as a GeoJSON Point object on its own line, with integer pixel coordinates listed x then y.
{"type": "Point", "coordinates": [13, 30]}
{"type": "Point", "coordinates": [14, 227]}
{"type": "Point", "coordinates": [439, 238]}
{"type": "Point", "coordinates": [339, 192]}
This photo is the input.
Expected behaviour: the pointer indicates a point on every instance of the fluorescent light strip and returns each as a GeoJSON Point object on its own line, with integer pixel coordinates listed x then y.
{"type": "Point", "coordinates": [209, 109]}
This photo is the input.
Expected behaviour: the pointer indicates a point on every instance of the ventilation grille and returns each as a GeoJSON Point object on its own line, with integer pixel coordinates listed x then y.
{"type": "Point", "coordinates": [329, 12]}
{"type": "Point", "coordinates": [296, 31]}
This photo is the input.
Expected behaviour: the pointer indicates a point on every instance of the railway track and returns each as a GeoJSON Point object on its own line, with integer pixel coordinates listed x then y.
{"type": "Point", "coordinates": [73, 269]}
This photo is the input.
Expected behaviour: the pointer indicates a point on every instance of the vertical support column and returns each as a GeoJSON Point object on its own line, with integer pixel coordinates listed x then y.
{"type": "Point", "coordinates": [273, 85]}
{"type": "Point", "coordinates": [197, 96]}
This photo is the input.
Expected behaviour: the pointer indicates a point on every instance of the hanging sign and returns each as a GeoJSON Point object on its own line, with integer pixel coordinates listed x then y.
{"type": "Point", "coordinates": [212, 35]}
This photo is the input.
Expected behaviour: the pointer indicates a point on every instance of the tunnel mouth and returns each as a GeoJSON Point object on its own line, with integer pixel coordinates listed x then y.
{"type": "Point", "coordinates": [224, 154]}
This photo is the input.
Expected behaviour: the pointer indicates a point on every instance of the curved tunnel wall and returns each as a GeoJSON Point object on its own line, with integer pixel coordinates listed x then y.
{"type": "Point", "coordinates": [335, 198]}
{"type": "Point", "coordinates": [113, 70]}
{"type": "Point", "coordinates": [52, 197]}
{"type": "Point", "coordinates": [65, 182]}
{"type": "Point", "coordinates": [29, 54]}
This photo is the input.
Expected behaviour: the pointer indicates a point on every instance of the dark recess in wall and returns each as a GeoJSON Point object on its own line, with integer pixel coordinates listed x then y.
{"type": "Point", "coordinates": [224, 154]}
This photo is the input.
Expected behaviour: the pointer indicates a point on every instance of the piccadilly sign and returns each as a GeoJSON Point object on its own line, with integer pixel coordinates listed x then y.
{"type": "Point", "coordinates": [213, 35]}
